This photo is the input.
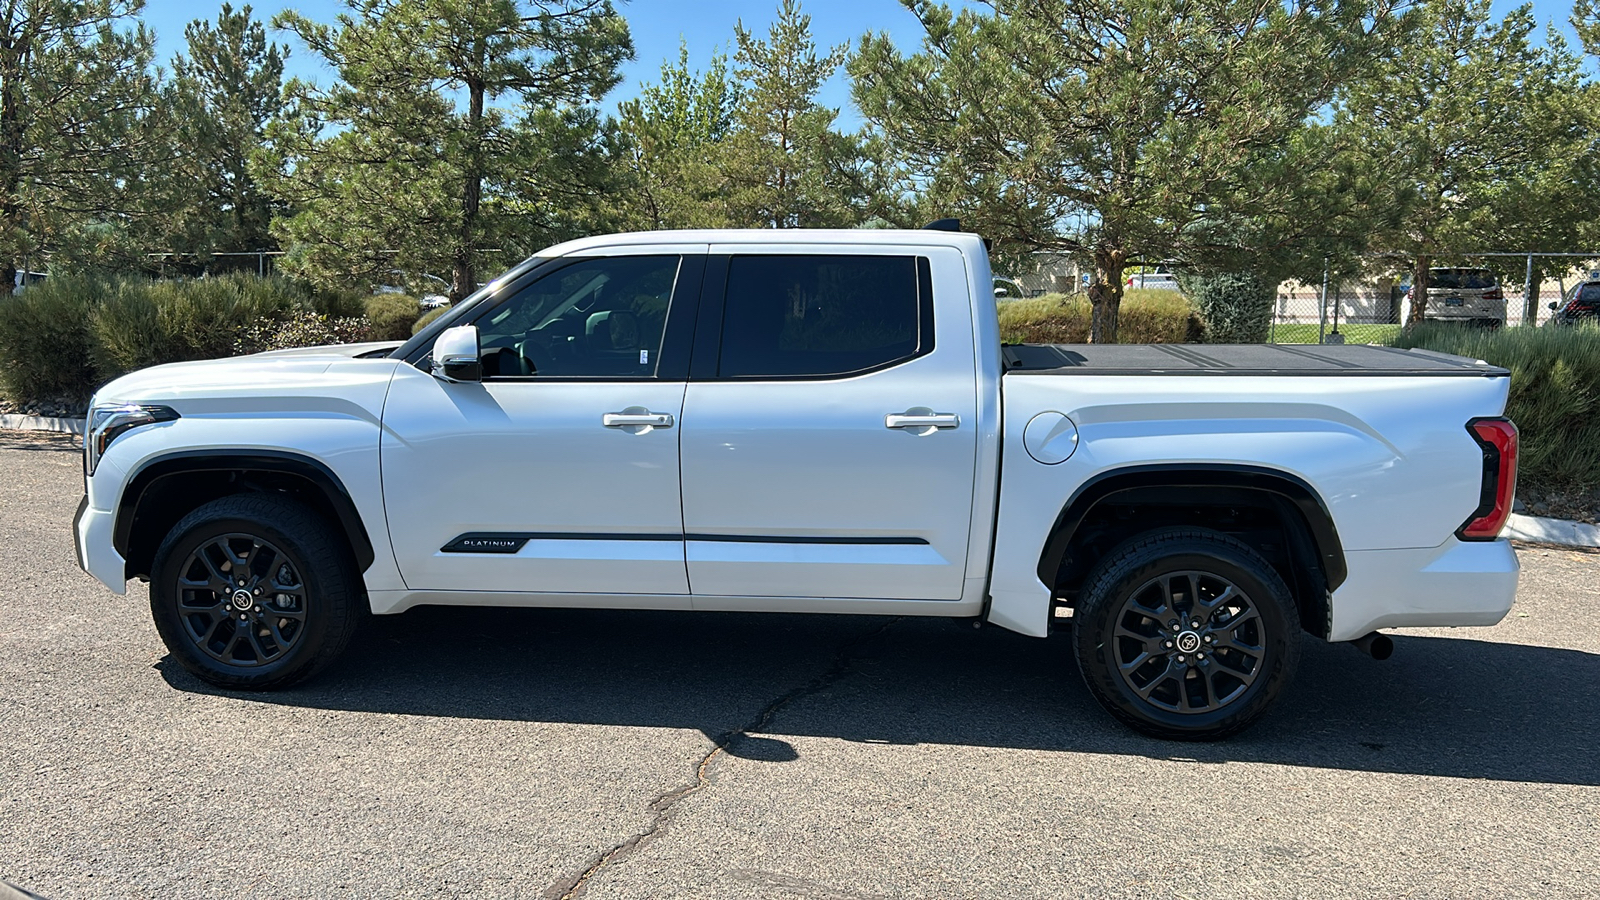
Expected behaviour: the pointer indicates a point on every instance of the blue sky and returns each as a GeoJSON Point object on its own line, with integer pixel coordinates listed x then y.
{"type": "Point", "coordinates": [659, 25]}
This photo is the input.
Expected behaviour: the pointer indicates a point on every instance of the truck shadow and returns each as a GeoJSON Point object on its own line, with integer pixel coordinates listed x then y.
{"type": "Point", "coordinates": [1442, 706]}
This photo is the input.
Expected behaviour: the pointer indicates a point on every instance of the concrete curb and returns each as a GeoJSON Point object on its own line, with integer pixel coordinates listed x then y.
{"type": "Point", "coordinates": [16, 422]}
{"type": "Point", "coordinates": [1541, 530]}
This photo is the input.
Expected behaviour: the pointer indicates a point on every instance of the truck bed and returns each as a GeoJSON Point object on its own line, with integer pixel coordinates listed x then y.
{"type": "Point", "coordinates": [1237, 359]}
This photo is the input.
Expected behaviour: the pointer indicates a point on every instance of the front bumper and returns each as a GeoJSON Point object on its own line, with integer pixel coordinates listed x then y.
{"type": "Point", "coordinates": [1456, 583]}
{"type": "Point", "coordinates": [91, 539]}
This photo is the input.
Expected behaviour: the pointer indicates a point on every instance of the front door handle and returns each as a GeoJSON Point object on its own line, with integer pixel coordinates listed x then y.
{"type": "Point", "coordinates": [627, 418]}
{"type": "Point", "coordinates": [913, 419]}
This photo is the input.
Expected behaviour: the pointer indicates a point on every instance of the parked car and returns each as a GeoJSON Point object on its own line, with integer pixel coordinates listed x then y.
{"type": "Point", "coordinates": [1580, 304]}
{"type": "Point", "coordinates": [1152, 281]}
{"type": "Point", "coordinates": [1468, 296]}
{"type": "Point", "coordinates": [819, 422]}
{"type": "Point", "coordinates": [1008, 288]}
{"type": "Point", "coordinates": [431, 290]}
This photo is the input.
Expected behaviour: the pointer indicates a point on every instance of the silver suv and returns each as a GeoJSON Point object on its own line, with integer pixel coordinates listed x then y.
{"type": "Point", "coordinates": [1470, 296]}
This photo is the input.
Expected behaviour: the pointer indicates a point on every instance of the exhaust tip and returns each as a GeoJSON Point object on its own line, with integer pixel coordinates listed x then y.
{"type": "Point", "coordinates": [1376, 645]}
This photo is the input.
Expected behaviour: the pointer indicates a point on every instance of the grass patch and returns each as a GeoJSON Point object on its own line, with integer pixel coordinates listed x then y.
{"type": "Point", "coordinates": [1306, 333]}
{"type": "Point", "coordinates": [1555, 393]}
{"type": "Point", "coordinates": [1146, 317]}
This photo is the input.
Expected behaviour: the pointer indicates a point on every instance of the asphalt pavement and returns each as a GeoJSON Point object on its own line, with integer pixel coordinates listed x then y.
{"type": "Point", "coordinates": [557, 753]}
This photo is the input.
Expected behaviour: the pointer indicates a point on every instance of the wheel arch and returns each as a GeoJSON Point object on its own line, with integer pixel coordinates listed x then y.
{"type": "Point", "coordinates": [1315, 555]}
{"type": "Point", "coordinates": [165, 488]}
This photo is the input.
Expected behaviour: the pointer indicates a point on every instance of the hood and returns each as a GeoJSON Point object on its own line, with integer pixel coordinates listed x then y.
{"type": "Point", "coordinates": [276, 378]}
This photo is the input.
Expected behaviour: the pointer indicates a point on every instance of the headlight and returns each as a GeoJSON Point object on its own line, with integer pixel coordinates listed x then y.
{"type": "Point", "coordinates": [107, 423]}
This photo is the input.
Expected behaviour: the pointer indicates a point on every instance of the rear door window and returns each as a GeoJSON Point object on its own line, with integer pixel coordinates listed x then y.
{"type": "Point", "coordinates": [818, 316]}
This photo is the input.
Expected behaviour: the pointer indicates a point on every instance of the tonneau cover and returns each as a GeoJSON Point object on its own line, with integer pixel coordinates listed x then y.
{"type": "Point", "coordinates": [1237, 359]}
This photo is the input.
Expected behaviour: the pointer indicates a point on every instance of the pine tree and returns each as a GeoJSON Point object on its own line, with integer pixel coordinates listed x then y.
{"type": "Point", "coordinates": [455, 127]}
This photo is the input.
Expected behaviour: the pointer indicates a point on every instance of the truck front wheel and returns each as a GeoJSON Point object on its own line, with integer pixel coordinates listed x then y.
{"type": "Point", "coordinates": [1186, 634]}
{"type": "Point", "coordinates": [254, 591]}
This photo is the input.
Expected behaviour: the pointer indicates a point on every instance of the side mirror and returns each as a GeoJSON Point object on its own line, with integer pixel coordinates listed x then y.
{"type": "Point", "coordinates": [1553, 305]}
{"type": "Point", "coordinates": [1000, 292]}
{"type": "Point", "coordinates": [455, 354]}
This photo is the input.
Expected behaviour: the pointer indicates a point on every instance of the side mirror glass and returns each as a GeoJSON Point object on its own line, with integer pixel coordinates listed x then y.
{"type": "Point", "coordinates": [1554, 305]}
{"type": "Point", "coordinates": [455, 354]}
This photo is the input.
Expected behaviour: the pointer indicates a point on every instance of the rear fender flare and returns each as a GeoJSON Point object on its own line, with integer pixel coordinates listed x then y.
{"type": "Point", "coordinates": [1204, 476]}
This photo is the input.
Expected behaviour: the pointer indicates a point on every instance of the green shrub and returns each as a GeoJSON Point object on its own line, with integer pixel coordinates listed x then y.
{"type": "Point", "coordinates": [1555, 393]}
{"type": "Point", "coordinates": [302, 329]}
{"type": "Point", "coordinates": [341, 303]}
{"type": "Point", "coordinates": [1236, 307]}
{"type": "Point", "coordinates": [1146, 317]}
{"type": "Point", "coordinates": [428, 317]}
{"type": "Point", "coordinates": [392, 316]}
{"type": "Point", "coordinates": [206, 315]}
{"type": "Point", "coordinates": [128, 333]}
{"type": "Point", "coordinates": [45, 339]}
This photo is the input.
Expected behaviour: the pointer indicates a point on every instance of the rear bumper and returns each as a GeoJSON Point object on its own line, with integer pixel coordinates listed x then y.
{"type": "Point", "coordinates": [1456, 583]}
{"type": "Point", "coordinates": [91, 539]}
{"type": "Point", "coordinates": [1474, 310]}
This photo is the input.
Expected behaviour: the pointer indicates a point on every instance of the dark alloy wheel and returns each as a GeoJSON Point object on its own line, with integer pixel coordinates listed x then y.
{"type": "Point", "coordinates": [254, 591]}
{"type": "Point", "coordinates": [1186, 634]}
{"type": "Point", "coordinates": [1189, 642]}
{"type": "Point", "coordinates": [241, 601]}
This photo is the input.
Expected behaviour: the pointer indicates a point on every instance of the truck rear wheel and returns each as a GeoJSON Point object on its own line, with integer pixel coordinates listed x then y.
{"type": "Point", "coordinates": [254, 591]}
{"type": "Point", "coordinates": [1186, 634]}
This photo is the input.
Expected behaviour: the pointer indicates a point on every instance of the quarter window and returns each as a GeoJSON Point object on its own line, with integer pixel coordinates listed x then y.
{"type": "Point", "coordinates": [817, 316]}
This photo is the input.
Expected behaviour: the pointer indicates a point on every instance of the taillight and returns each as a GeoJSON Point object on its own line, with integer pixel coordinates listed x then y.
{"type": "Point", "coordinates": [1498, 438]}
{"type": "Point", "coordinates": [1493, 294]}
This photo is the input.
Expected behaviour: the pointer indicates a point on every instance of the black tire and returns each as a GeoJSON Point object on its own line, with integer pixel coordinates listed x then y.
{"type": "Point", "coordinates": [299, 592]}
{"type": "Point", "coordinates": [1236, 664]}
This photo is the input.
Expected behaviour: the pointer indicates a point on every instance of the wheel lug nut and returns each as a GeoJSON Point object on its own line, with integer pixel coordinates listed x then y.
{"type": "Point", "coordinates": [1194, 624]}
{"type": "Point", "coordinates": [258, 609]}
{"type": "Point", "coordinates": [1176, 627]}
{"type": "Point", "coordinates": [1181, 658]}
{"type": "Point", "coordinates": [1208, 639]}
{"type": "Point", "coordinates": [1169, 645]}
{"type": "Point", "coordinates": [258, 592]}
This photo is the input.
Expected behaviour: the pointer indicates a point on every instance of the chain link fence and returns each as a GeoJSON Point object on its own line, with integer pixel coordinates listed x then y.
{"type": "Point", "coordinates": [1369, 310]}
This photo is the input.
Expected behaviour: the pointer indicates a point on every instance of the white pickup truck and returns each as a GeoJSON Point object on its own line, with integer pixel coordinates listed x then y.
{"type": "Point", "coordinates": [809, 421]}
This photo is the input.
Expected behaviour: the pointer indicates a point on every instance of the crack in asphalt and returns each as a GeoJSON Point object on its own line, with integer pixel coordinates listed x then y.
{"type": "Point", "coordinates": [661, 806]}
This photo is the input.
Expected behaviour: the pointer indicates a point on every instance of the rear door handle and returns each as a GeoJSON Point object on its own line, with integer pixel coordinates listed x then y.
{"type": "Point", "coordinates": [624, 419]}
{"type": "Point", "coordinates": [921, 420]}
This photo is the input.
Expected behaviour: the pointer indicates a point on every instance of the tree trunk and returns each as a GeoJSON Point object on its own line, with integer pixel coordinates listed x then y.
{"type": "Point", "coordinates": [1530, 299]}
{"type": "Point", "coordinates": [463, 279]}
{"type": "Point", "coordinates": [1419, 292]}
{"type": "Point", "coordinates": [12, 56]}
{"type": "Point", "coordinates": [1105, 296]}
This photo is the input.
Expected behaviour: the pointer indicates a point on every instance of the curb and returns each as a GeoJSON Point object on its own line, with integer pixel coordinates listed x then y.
{"type": "Point", "coordinates": [1563, 532]}
{"type": "Point", "coordinates": [16, 422]}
